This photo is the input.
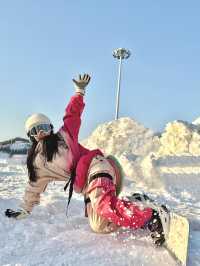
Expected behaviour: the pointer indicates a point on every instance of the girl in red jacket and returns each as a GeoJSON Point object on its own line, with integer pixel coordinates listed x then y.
{"type": "Point", "coordinates": [52, 156]}
{"type": "Point", "coordinates": [55, 157]}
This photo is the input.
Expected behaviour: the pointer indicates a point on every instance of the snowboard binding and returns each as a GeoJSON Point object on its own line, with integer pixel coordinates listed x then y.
{"type": "Point", "coordinates": [159, 223]}
{"type": "Point", "coordinates": [156, 229]}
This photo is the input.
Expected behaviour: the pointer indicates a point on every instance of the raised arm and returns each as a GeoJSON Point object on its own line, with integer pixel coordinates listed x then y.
{"type": "Point", "coordinates": [73, 111]}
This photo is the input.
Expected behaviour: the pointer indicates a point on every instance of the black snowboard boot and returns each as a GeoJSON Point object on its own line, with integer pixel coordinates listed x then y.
{"type": "Point", "coordinates": [155, 225]}
{"type": "Point", "coordinates": [156, 229]}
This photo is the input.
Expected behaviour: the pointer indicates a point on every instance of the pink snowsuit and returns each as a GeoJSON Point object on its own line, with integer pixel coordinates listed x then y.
{"type": "Point", "coordinates": [106, 212]}
{"type": "Point", "coordinates": [69, 152]}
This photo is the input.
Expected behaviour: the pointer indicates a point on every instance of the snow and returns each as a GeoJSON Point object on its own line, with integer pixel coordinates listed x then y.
{"type": "Point", "coordinates": [127, 139]}
{"type": "Point", "coordinates": [179, 138]}
{"type": "Point", "coordinates": [122, 136]}
{"type": "Point", "coordinates": [48, 237]}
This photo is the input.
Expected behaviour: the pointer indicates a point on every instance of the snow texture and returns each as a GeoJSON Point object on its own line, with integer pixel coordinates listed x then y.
{"type": "Point", "coordinates": [127, 139]}
{"type": "Point", "coordinates": [180, 138]}
{"type": "Point", "coordinates": [48, 237]}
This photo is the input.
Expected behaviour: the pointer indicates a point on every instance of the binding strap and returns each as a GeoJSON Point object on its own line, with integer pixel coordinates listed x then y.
{"type": "Point", "coordinates": [99, 175]}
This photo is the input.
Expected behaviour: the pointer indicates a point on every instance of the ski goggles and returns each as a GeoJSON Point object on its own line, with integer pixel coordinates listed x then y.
{"type": "Point", "coordinates": [46, 128]}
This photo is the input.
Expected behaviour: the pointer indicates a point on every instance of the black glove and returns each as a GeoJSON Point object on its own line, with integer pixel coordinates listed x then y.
{"type": "Point", "coordinates": [19, 214]}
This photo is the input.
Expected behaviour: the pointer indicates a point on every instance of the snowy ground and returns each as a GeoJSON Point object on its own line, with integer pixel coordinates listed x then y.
{"type": "Point", "coordinates": [48, 237]}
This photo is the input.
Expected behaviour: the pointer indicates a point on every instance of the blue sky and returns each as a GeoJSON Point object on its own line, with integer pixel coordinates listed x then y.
{"type": "Point", "coordinates": [44, 44]}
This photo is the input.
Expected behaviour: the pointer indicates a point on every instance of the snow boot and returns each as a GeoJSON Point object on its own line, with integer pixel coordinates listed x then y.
{"type": "Point", "coordinates": [159, 223]}
{"type": "Point", "coordinates": [156, 229]}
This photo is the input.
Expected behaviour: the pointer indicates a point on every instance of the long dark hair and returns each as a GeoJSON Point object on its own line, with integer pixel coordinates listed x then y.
{"type": "Point", "coordinates": [49, 149]}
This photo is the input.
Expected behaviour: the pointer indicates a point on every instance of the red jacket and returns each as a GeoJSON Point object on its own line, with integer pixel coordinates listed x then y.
{"type": "Point", "coordinates": [71, 126]}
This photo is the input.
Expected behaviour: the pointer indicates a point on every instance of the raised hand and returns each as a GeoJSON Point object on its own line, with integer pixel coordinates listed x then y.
{"type": "Point", "coordinates": [81, 83]}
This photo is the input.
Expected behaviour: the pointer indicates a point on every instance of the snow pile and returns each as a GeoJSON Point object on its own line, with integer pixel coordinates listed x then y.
{"type": "Point", "coordinates": [180, 138]}
{"type": "Point", "coordinates": [140, 152]}
{"type": "Point", "coordinates": [127, 140]}
{"type": "Point", "coordinates": [175, 166]}
{"type": "Point", "coordinates": [122, 135]}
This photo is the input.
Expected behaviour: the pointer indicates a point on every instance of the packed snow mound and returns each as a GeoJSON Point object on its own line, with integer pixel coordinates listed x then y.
{"type": "Point", "coordinates": [180, 138]}
{"type": "Point", "coordinates": [177, 162]}
{"type": "Point", "coordinates": [122, 135]}
{"type": "Point", "coordinates": [126, 139]}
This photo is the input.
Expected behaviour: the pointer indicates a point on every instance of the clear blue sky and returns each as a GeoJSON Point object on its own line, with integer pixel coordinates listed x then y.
{"type": "Point", "coordinates": [44, 44]}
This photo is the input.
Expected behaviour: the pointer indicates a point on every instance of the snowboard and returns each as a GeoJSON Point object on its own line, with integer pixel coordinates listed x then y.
{"type": "Point", "coordinates": [177, 237]}
{"type": "Point", "coordinates": [175, 227]}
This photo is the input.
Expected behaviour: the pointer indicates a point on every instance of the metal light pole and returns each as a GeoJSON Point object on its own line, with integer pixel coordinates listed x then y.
{"type": "Point", "coordinates": [120, 54]}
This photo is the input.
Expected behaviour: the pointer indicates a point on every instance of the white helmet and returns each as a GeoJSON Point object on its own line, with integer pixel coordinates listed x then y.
{"type": "Point", "coordinates": [35, 120]}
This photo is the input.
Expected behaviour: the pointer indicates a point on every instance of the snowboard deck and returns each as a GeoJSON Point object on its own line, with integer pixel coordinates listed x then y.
{"type": "Point", "coordinates": [178, 237]}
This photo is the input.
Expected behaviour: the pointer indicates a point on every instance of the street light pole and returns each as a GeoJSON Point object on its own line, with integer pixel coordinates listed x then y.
{"type": "Point", "coordinates": [118, 89]}
{"type": "Point", "coordinates": [120, 54]}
